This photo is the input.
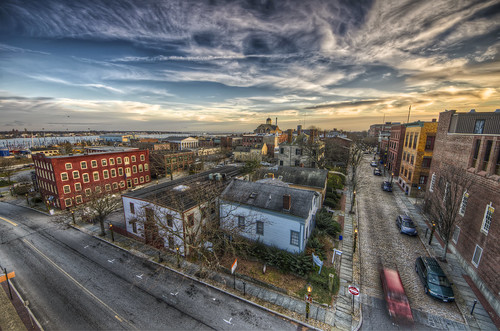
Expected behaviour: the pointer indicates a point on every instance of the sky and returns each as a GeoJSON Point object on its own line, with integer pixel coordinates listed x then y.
{"type": "Point", "coordinates": [226, 66]}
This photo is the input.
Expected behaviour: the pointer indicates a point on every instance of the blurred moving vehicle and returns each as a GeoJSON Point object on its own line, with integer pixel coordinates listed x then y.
{"type": "Point", "coordinates": [395, 296]}
{"type": "Point", "coordinates": [386, 186]}
{"type": "Point", "coordinates": [373, 163]}
{"type": "Point", "coordinates": [377, 172]}
{"type": "Point", "coordinates": [432, 276]}
{"type": "Point", "coordinates": [406, 225]}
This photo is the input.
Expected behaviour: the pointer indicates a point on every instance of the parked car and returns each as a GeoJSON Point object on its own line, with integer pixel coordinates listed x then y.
{"type": "Point", "coordinates": [373, 163]}
{"type": "Point", "coordinates": [377, 172]}
{"type": "Point", "coordinates": [433, 278]}
{"type": "Point", "coordinates": [386, 186]}
{"type": "Point", "coordinates": [406, 225]}
{"type": "Point", "coordinates": [395, 296]}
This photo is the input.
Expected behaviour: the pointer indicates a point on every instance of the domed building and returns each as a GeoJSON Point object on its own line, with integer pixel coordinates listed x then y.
{"type": "Point", "coordinates": [268, 127]}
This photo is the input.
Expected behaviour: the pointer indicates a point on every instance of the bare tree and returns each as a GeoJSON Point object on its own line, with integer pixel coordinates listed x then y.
{"type": "Point", "coordinates": [7, 167]}
{"type": "Point", "coordinates": [447, 199]}
{"type": "Point", "coordinates": [99, 204]}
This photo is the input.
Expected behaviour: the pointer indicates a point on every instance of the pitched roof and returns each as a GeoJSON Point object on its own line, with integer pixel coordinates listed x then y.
{"type": "Point", "coordinates": [269, 197]}
{"type": "Point", "coordinates": [296, 175]}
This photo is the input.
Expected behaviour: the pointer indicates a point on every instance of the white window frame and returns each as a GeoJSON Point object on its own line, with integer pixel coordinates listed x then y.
{"type": "Point", "coordinates": [64, 176]}
{"type": "Point", "coordinates": [66, 189]}
{"type": "Point", "coordinates": [87, 176]}
{"type": "Point", "coordinates": [77, 174]}
{"type": "Point", "coordinates": [83, 164]}
{"type": "Point", "coordinates": [487, 218]}
{"type": "Point", "coordinates": [92, 163]}
{"type": "Point", "coordinates": [78, 187]}
{"type": "Point", "coordinates": [143, 157]}
{"type": "Point", "coordinates": [463, 204]}
{"type": "Point", "coordinates": [104, 162]}
{"type": "Point", "coordinates": [292, 239]}
{"type": "Point", "coordinates": [474, 255]}
{"type": "Point", "coordinates": [68, 166]}
{"type": "Point", "coordinates": [432, 183]}
{"type": "Point", "coordinates": [456, 234]}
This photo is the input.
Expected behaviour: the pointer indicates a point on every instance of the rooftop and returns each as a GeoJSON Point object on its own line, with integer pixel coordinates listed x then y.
{"type": "Point", "coordinates": [295, 175]}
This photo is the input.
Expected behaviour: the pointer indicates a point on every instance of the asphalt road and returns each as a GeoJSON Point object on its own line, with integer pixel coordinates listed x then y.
{"type": "Point", "coordinates": [381, 244]}
{"type": "Point", "coordinates": [74, 281]}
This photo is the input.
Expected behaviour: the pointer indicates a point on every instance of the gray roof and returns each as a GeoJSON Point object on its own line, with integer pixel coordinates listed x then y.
{"type": "Point", "coordinates": [296, 175]}
{"type": "Point", "coordinates": [185, 193]}
{"type": "Point", "coordinates": [269, 197]}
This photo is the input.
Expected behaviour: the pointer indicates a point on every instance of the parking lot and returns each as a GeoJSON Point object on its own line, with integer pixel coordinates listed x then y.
{"type": "Point", "coordinates": [382, 244]}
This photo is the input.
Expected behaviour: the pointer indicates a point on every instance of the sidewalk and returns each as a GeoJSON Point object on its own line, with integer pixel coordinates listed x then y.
{"type": "Point", "coordinates": [464, 293]}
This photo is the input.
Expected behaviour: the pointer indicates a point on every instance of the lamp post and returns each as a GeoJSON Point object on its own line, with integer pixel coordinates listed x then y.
{"type": "Point", "coordinates": [73, 216]}
{"type": "Point", "coordinates": [178, 259]}
{"type": "Point", "coordinates": [432, 232]}
{"type": "Point", "coordinates": [308, 299]}
{"type": "Point", "coordinates": [353, 199]}
{"type": "Point", "coordinates": [392, 177]}
{"type": "Point", "coordinates": [112, 233]}
{"type": "Point", "coordinates": [355, 238]}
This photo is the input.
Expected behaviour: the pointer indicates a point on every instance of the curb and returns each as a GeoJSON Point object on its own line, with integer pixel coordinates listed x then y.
{"type": "Point", "coordinates": [202, 282]}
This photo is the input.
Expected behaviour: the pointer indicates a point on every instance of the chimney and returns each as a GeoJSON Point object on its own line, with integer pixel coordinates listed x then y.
{"type": "Point", "coordinates": [276, 121]}
{"type": "Point", "coordinates": [287, 202]}
{"type": "Point", "coordinates": [433, 120]}
{"type": "Point", "coordinates": [299, 129]}
{"type": "Point", "coordinates": [312, 136]}
{"type": "Point", "coordinates": [289, 136]}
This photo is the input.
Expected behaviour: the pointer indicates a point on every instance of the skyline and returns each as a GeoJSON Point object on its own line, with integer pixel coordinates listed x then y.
{"type": "Point", "coordinates": [228, 65]}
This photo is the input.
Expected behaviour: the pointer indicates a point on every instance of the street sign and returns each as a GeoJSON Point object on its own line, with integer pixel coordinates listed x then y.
{"type": "Point", "coordinates": [9, 275]}
{"type": "Point", "coordinates": [318, 262]}
{"type": "Point", "coordinates": [308, 298]}
{"type": "Point", "coordinates": [353, 290]}
{"type": "Point", "coordinates": [233, 267]}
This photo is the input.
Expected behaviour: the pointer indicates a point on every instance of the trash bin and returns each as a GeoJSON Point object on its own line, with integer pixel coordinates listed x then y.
{"type": "Point", "coordinates": [340, 237]}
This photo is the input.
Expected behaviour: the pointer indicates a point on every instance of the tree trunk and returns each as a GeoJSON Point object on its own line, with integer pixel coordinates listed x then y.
{"type": "Point", "coordinates": [101, 222]}
{"type": "Point", "coordinates": [445, 250]}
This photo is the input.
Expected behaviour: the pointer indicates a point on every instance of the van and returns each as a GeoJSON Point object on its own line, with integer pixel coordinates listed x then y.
{"type": "Point", "coordinates": [433, 278]}
{"type": "Point", "coordinates": [395, 296]}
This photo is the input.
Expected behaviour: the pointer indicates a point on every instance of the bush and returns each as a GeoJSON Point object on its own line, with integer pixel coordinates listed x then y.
{"type": "Point", "coordinates": [325, 223]}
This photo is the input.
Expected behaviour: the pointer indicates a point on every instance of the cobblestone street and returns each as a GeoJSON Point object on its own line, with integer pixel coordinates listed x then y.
{"type": "Point", "coordinates": [382, 244]}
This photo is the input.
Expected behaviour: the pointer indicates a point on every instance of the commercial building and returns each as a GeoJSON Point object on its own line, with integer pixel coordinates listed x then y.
{"type": "Point", "coordinates": [69, 180]}
{"type": "Point", "coordinates": [395, 147]}
{"type": "Point", "coordinates": [301, 151]}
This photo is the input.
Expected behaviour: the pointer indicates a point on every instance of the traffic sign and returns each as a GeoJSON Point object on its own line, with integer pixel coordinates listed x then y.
{"type": "Point", "coordinates": [233, 267]}
{"type": "Point", "coordinates": [353, 290]}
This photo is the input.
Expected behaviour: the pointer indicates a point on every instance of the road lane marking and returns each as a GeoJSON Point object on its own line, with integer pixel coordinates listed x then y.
{"type": "Point", "coordinates": [8, 221]}
{"type": "Point", "coordinates": [117, 316]}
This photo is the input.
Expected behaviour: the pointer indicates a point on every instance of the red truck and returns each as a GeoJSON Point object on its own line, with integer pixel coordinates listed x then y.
{"type": "Point", "coordinates": [395, 296]}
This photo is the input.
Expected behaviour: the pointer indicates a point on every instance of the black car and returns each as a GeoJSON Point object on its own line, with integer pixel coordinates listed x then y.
{"type": "Point", "coordinates": [377, 172]}
{"type": "Point", "coordinates": [433, 278]}
{"type": "Point", "coordinates": [386, 186]}
{"type": "Point", "coordinates": [406, 225]}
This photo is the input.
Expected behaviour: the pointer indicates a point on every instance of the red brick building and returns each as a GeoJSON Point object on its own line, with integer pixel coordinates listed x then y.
{"type": "Point", "coordinates": [395, 148]}
{"type": "Point", "coordinates": [68, 180]}
{"type": "Point", "coordinates": [471, 141]}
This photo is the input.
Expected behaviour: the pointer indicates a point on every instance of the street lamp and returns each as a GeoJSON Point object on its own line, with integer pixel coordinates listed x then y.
{"type": "Point", "coordinates": [355, 238]}
{"type": "Point", "coordinates": [392, 177]}
{"type": "Point", "coordinates": [353, 200]}
{"type": "Point", "coordinates": [308, 299]}
{"type": "Point", "coordinates": [178, 259]}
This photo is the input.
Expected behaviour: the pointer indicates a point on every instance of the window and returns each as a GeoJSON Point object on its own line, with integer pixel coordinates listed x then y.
{"type": "Point", "coordinates": [294, 238]}
{"type": "Point", "coordinates": [119, 160]}
{"type": "Point", "coordinates": [409, 175]}
{"type": "Point", "coordinates": [422, 180]}
{"type": "Point", "coordinates": [104, 162]}
{"type": "Point", "coordinates": [83, 164]}
{"type": "Point", "coordinates": [406, 139]}
{"type": "Point", "coordinates": [134, 169]}
{"type": "Point", "coordinates": [143, 158]}
{"type": "Point", "coordinates": [134, 226]}
{"type": "Point", "coordinates": [411, 140]}
{"type": "Point", "coordinates": [126, 160]}
{"type": "Point", "coordinates": [98, 189]}
{"type": "Point", "coordinates": [433, 181]}
{"type": "Point", "coordinates": [122, 183]}
{"type": "Point", "coordinates": [78, 187]}
{"type": "Point", "coordinates": [128, 172]}
{"type": "Point", "coordinates": [298, 151]}
{"type": "Point", "coordinates": [96, 175]}
{"type": "Point", "coordinates": [476, 152]}
{"type": "Point", "coordinates": [113, 172]}
{"type": "Point", "coordinates": [241, 222]}
{"type": "Point", "coordinates": [476, 258]}
{"type": "Point", "coordinates": [479, 126]}
{"type": "Point", "coordinates": [68, 166]}
{"type": "Point", "coordinates": [487, 152]}
{"type": "Point", "coordinates": [85, 178]}
{"type": "Point", "coordinates": [136, 181]}
{"type": "Point", "coordinates": [170, 220]}
{"type": "Point", "coordinates": [108, 187]}
{"type": "Point", "coordinates": [76, 174]}
{"type": "Point", "coordinates": [64, 176]}
{"type": "Point", "coordinates": [260, 228]}
{"type": "Point", "coordinates": [120, 171]}
{"type": "Point", "coordinates": [456, 233]}
{"type": "Point", "coordinates": [426, 162]}
{"type": "Point", "coordinates": [146, 167]}
{"type": "Point", "coordinates": [415, 141]}
{"type": "Point", "coordinates": [170, 242]}
{"type": "Point", "coordinates": [133, 158]}
{"type": "Point", "coordinates": [488, 216]}
{"type": "Point", "coordinates": [282, 150]}
{"type": "Point", "coordinates": [67, 189]}
{"type": "Point", "coordinates": [147, 178]}
{"type": "Point", "coordinates": [190, 220]}
{"type": "Point", "coordinates": [67, 202]}
{"type": "Point", "coordinates": [94, 164]}
{"type": "Point", "coordinates": [88, 191]}
{"type": "Point", "coordinates": [429, 143]}
{"type": "Point", "coordinates": [141, 168]}
{"type": "Point", "coordinates": [111, 161]}
{"type": "Point", "coordinates": [79, 199]}
{"type": "Point", "coordinates": [463, 205]}
{"type": "Point", "coordinates": [297, 163]}
{"type": "Point", "coordinates": [115, 186]}
{"type": "Point", "coordinates": [141, 179]}
{"type": "Point", "coordinates": [281, 163]}
{"type": "Point", "coordinates": [412, 160]}
{"type": "Point", "coordinates": [105, 174]}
